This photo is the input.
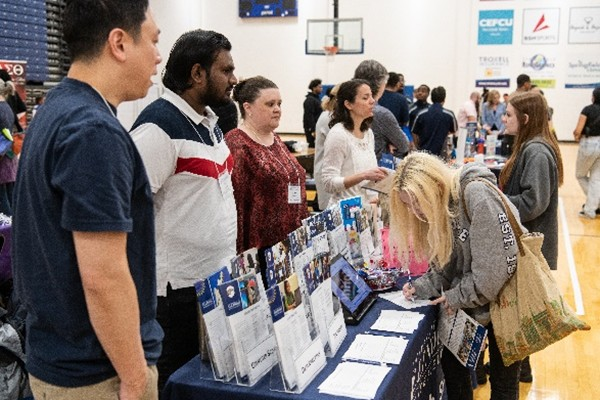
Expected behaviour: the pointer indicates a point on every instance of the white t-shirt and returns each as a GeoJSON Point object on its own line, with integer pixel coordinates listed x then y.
{"type": "Point", "coordinates": [467, 110]}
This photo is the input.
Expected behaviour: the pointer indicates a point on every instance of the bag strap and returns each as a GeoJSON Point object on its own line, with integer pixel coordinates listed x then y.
{"type": "Point", "coordinates": [515, 225]}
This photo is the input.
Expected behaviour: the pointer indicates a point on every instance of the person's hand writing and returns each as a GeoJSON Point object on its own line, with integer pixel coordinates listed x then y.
{"type": "Point", "coordinates": [408, 291]}
{"type": "Point", "coordinates": [442, 300]}
{"type": "Point", "coordinates": [375, 174]}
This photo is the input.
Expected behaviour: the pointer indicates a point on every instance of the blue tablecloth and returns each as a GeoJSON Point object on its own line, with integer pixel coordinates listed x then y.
{"type": "Point", "coordinates": [418, 376]}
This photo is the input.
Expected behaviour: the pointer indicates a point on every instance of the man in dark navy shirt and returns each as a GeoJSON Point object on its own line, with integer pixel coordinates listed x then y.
{"type": "Point", "coordinates": [394, 101]}
{"type": "Point", "coordinates": [83, 233]}
{"type": "Point", "coordinates": [433, 125]}
{"type": "Point", "coordinates": [421, 94]}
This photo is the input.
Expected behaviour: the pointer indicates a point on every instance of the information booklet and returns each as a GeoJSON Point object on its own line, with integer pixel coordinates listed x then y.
{"type": "Point", "coordinates": [245, 263]}
{"type": "Point", "coordinates": [462, 335]}
{"type": "Point", "coordinates": [336, 233]}
{"type": "Point", "coordinates": [279, 263]}
{"type": "Point", "coordinates": [219, 341]}
{"type": "Point", "coordinates": [301, 354]}
{"type": "Point", "coordinates": [316, 276]}
{"type": "Point", "coordinates": [250, 327]}
{"type": "Point", "coordinates": [351, 210]}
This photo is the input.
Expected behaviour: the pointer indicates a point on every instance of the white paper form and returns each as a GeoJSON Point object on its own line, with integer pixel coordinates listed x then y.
{"type": "Point", "coordinates": [356, 380]}
{"type": "Point", "coordinates": [397, 297]}
{"type": "Point", "coordinates": [376, 348]}
{"type": "Point", "coordinates": [397, 321]}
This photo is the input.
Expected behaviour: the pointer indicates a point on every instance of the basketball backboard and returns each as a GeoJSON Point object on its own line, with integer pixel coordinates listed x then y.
{"type": "Point", "coordinates": [343, 34]}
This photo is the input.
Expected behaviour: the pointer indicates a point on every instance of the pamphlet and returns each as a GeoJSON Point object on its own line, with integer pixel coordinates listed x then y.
{"type": "Point", "coordinates": [220, 343]}
{"type": "Point", "coordinates": [462, 335]}
{"type": "Point", "coordinates": [301, 357]}
{"type": "Point", "coordinates": [245, 263]}
{"type": "Point", "coordinates": [250, 327]}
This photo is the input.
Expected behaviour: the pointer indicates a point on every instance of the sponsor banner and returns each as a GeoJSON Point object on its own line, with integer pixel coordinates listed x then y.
{"type": "Point", "coordinates": [540, 26]}
{"type": "Point", "coordinates": [493, 71]}
{"type": "Point", "coordinates": [539, 65]}
{"type": "Point", "coordinates": [583, 71]}
{"type": "Point", "coordinates": [544, 83]}
{"type": "Point", "coordinates": [492, 83]}
{"type": "Point", "coordinates": [495, 27]}
{"type": "Point", "coordinates": [584, 25]}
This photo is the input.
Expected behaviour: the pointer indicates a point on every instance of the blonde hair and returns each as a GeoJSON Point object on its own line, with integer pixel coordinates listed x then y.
{"type": "Point", "coordinates": [434, 187]}
{"type": "Point", "coordinates": [491, 95]}
{"type": "Point", "coordinates": [328, 103]}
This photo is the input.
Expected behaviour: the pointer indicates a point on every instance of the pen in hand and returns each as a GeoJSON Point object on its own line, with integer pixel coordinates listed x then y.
{"type": "Point", "coordinates": [410, 286]}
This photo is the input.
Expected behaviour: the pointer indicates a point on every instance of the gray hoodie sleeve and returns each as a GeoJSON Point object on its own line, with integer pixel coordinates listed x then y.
{"type": "Point", "coordinates": [536, 168]}
{"type": "Point", "coordinates": [486, 250]}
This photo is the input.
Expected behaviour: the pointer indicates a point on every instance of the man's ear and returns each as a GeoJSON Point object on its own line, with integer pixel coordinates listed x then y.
{"type": "Point", "coordinates": [198, 74]}
{"type": "Point", "coordinates": [117, 43]}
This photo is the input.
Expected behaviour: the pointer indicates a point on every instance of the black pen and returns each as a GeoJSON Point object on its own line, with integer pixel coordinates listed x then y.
{"type": "Point", "coordinates": [410, 286]}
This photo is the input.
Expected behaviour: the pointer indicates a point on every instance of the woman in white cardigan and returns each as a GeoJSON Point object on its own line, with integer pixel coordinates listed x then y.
{"type": "Point", "coordinates": [349, 157]}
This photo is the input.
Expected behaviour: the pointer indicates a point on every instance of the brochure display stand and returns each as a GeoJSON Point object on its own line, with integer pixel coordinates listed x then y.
{"type": "Point", "coordinates": [219, 341]}
{"type": "Point", "coordinates": [301, 351]}
{"type": "Point", "coordinates": [250, 326]}
{"type": "Point", "coordinates": [293, 323]}
{"type": "Point", "coordinates": [316, 277]}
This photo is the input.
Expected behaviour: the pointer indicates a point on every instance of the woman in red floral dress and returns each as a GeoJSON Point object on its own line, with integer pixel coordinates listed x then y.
{"type": "Point", "coordinates": [268, 181]}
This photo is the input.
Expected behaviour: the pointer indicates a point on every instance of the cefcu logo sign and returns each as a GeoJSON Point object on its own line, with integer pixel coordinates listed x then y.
{"type": "Point", "coordinates": [495, 27]}
{"type": "Point", "coordinates": [540, 25]}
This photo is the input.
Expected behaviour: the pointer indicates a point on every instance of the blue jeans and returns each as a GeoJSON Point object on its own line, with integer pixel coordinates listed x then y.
{"type": "Point", "coordinates": [504, 381]}
{"type": "Point", "coordinates": [587, 171]}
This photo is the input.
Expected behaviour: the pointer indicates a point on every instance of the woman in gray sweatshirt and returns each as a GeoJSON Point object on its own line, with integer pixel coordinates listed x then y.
{"type": "Point", "coordinates": [460, 225]}
{"type": "Point", "coordinates": [532, 175]}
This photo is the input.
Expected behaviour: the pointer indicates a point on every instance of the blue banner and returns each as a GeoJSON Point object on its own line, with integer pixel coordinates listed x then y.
{"type": "Point", "coordinates": [495, 27]}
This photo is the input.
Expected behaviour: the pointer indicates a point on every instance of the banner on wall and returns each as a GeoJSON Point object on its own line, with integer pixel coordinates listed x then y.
{"type": "Point", "coordinates": [584, 25]}
{"type": "Point", "coordinates": [17, 71]}
{"type": "Point", "coordinates": [493, 71]}
{"type": "Point", "coordinates": [495, 27]}
{"type": "Point", "coordinates": [583, 71]}
{"type": "Point", "coordinates": [540, 26]}
{"type": "Point", "coordinates": [541, 68]}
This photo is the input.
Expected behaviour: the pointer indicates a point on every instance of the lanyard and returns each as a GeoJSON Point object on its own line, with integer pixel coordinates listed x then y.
{"type": "Point", "coordinates": [216, 137]}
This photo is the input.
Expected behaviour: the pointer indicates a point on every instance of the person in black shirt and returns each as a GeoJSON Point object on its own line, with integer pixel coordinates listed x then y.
{"type": "Point", "coordinates": [312, 110]}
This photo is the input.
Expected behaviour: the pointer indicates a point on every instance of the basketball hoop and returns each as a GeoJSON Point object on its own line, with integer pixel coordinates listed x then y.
{"type": "Point", "coordinates": [330, 50]}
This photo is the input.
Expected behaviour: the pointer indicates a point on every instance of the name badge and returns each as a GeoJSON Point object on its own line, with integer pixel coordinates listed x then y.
{"type": "Point", "coordinates": [225, 184]}
{"type": "Point", "coordinates": [294, 194]}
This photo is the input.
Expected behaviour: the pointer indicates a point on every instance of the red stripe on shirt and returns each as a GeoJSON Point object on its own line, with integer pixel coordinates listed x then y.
{"type": "Point", "coordinates": [204, 167]}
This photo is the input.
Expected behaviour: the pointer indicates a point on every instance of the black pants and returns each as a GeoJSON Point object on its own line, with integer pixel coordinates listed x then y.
{"type": "Point", "coordinates": [504, 381]}
{"type": "Point", "coordinates": [177, 314]}
{"type": "Point", "coordinates": [310, 138]}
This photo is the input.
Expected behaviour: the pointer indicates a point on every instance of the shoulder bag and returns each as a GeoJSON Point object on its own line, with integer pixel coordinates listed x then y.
{"type": "Point", "coordinates": [530, 313]}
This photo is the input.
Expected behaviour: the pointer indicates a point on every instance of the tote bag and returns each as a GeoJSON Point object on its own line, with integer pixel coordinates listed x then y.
{"type": "Point", "coordinates": [529, 314]}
